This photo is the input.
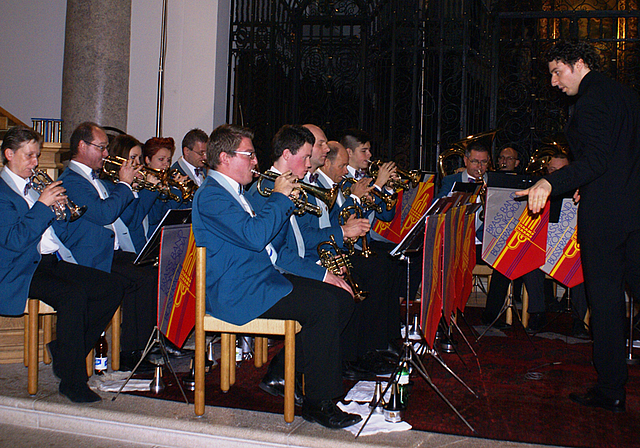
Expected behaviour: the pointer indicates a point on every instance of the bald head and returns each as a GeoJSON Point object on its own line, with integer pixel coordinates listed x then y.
{"type": "Point", "coordinates": [335, 165]}
{"type": "Point", "coordinates": [320, 147]}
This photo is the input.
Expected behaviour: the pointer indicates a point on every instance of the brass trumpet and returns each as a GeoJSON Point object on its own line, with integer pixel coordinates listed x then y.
{"type": "Point", "coordinates": [390, 200]}
{"type": "Point", "coordinates": [334, 260]}
{"type": "Point", "coordinates": [407, 177]}
{"type": "Point", "coordinates": [111, 168]}
{"type": "Point", "coordinates": [187, 188]}
{"type": "Point", "coordinates": [344, 216]}
{"type": "Point", "coordinates": [39, 181]}
{"type": "Point", "coordinates": [302, 201]}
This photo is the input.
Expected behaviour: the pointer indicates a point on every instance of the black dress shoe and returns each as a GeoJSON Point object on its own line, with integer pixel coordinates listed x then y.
{"type": "Point", "coordinates": [351, 371]}
{"type": "Point", "coordinates": [593, 398]}
{"type": "Point", "coordinates": [537, 321]}
{"type": "Point", "coordinates": [273, 384]}
{"type": "Point", "coordinates": [173, 351]}
{"type": "Point", "coordinates": [129, 359]}
{"type": "Point", "coordinates": [78, 392]}
{"type": "Point", "coordinates": [328, 414]}
{"type": "Point", "coordinates": [375, 363]}
{"type": "Point", "coordinates": [498, 325]}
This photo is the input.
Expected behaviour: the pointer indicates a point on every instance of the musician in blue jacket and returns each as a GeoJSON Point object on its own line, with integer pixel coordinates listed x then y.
{"type": "Point", "coordinates": [113, 233]}
{"type": "Point", "coordinates": [35, 263]}
{"type": "Point", "coordinates": [243, 282]}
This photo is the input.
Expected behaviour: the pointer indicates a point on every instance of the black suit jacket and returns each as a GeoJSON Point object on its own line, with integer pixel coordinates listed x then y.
{"type": "Point", "coordinates": [602, 132]}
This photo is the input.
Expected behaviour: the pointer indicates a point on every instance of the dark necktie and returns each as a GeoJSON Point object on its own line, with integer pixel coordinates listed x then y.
{"type": "Point", "coordinates": [313, 178]}
{"type": "Point", "coordinates": [26, 189]}
{"type": "Point", "coordinates": [94, 176]}
{"type": "Point", "coordinates": [241, 190]}
{"type": "Point", "coordinates": [360, 174]}
{"type": "Point", "coordinates": [198, 171]}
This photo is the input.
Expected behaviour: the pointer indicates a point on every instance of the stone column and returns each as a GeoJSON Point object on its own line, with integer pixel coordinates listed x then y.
{"type": "Point", "coordinates": [95, 79]}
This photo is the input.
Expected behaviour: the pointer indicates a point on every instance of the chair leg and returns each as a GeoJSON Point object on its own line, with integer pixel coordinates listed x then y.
{"type": "Point", "coordinates": [509, 314]}
{"type": "Point", "coordinates": [115, 339]}
{"type": "Point", "coordinates": [32, 347]}
{"type": "Point", "coordinates": [265, 350]}
{"type": "Point", "coordinates": [257, 358]}
{"type": "Point", "coordinates": [47, 335]}
{"type": "Point", "coordinates": [289, 369]}
{"type": "Point", "coordinates": [89, 363]}
{"type": "Point", "coordinates": [25, 351]}
{"type": "Point", "coordinates": [224, 361]}
{"type": "Point", "coordinates": [525, 308]}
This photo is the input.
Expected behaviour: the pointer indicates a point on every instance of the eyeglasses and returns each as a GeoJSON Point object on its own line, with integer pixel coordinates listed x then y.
{"type": "Point", "coordinates": [251, 155]}
{"type": "Point", "coordinates": [201, 153]}
{"type": "Point", "coordinates": [478, 162]}
{"type": "Point", "coordinates": [100, 147]}
{"type": "Point", "coordinates": [506, 158]}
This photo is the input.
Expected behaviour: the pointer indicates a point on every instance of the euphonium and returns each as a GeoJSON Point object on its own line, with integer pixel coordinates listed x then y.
{"type": "Point", "coordinates": [39, 180]}
{"type": "Point", "coordinates": [111, 168]}
{"type": "Point", "coordinates": [335, 261]}
{"type": "Point", "coordinates": [302, 201]}
{"type": "Point", "coordinates": [343, 217]}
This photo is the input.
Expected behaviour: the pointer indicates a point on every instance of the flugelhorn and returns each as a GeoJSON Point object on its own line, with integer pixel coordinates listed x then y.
{"type": "Point", "coordinates": [302, 201]}
{"type": "Point", "coordinates": [338, 263]}
{"type": "Point", "coordinates": [408, 178]}
{"type": "Point", "coordinates": [39, 180]}
{"type": "Point", "coordinates": [111, 168]}
{"type": "Point", "coordinates": [343, 217]}
{"type": "Point", "coordinates": [390, 200]}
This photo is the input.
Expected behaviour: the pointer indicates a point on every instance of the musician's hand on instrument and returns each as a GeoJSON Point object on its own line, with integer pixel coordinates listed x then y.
{"type": "Point", "coordinates": [361, 187]}
{"type": "Point", "coordinates": [538, 195]}
{"type": "Point", "coordinates": [285, 183]}
{"type": "Point", "coordinates": [576, 196]}
{"type": "Point", "coordinates": [334, 280]}
{"type": "Point", "coordinates": [180, 177]}
{"type": "Point", "coordinates": [355, 227]}
{"type": "Point", "coordinates": [52, 193]}
{"type": "Point", "coordinates": [128, 171]}
{"type": "Point", "coordinates": [386, 171]}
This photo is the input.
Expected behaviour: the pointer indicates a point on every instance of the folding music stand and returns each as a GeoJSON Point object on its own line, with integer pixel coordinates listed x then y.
{"type": "Point", "coordinates": [412, 243]}
{"type": "Point", "coordinates": [151, 251]}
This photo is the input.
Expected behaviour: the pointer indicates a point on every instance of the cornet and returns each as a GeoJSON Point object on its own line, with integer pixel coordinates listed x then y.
{"type": "Point", "coordinates": [39, 181]}
{"type": "Point", "coordinates": [302, 201]}
{"type": "Point", "coordinates": [344, 216]}
{"type": "Point", "coordinates": [111, 168]}
{"type": "Point", "coordinates": [407, 178]}
{"type": "Point", "coordinates": [334, 260]}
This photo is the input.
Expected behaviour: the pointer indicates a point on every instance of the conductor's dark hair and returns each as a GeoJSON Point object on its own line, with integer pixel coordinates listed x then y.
{"type": "Point", "coordinates": [569, 52]}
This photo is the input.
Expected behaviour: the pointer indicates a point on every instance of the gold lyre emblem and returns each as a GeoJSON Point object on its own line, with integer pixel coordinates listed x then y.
{"type": "Point", "coordinates": [524, 230]}
{"type": "Point", "coordinates": [573, 248]}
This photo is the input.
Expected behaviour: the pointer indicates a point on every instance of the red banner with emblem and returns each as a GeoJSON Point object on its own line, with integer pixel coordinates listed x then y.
{"type": "Point", "coordinates": [176, 285]}
{"type": "Point", "coordinates": [412, 204]}
{"type": "Point", "coordinates": [432, 280]}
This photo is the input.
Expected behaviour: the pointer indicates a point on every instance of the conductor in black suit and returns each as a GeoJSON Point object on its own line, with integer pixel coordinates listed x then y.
{"type": "Point", "coordinates": [602, 131]}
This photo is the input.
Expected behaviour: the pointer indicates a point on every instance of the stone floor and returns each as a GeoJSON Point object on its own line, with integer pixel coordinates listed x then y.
{"type": "Point", "coordinates": [48, 419]}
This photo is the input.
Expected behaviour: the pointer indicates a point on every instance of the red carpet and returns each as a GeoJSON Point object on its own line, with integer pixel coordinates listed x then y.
{"type": "Point", "coordinates": [512, 405]}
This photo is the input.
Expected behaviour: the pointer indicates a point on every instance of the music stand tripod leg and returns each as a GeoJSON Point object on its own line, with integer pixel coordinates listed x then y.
{"type": "Point", "coordinates": [155, 338]}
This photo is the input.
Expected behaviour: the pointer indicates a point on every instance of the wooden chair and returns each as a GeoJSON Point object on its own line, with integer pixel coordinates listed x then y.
{"type": "Point", "coordinates": [205, 322]}
{"type": "Point", "coordinates": [34, 309]}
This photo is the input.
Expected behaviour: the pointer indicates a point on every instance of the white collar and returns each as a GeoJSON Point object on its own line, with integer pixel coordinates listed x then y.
{"type": "Point", "coordinates": [328, 180]}
{"type": "Point", "coordinates": [84, 168]}
{"type": "Point", "coordinates": [18, 180]}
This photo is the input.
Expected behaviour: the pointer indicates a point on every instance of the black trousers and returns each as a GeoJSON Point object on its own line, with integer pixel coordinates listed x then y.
{"type": "Point", "coordinates": [376, 320]}
{"type": "Point", "coordinates": [323, 310]}
{"type": "Point", "coordinates": [140, 304]}
{"type": "Point", "coordinates": [85, 300]}
{"type": "Point", "coordinates": [534, 282]}
{"type": "Point", "coordinates": [606, 268]}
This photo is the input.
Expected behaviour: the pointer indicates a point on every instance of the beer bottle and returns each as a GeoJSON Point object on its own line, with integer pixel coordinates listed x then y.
{"type": "Point", "coordinates": [102, 355]}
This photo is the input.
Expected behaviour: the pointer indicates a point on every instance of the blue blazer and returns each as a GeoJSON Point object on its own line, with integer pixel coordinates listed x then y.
{"type": "Point", "coordinates": [285, 242]}
{"type": "Point", "coordinates": [95, 249]}
{"type": "Point", "coordinates": [241, 281]}
{"type": "Point", "coordinates": [21, 228]}
{"type": "Point", "coordinates": [447, 184]}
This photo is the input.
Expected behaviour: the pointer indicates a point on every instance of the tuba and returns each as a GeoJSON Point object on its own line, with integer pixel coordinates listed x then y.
{"type": "Point", "coordinates": [335, 261]}
{"type": "Point", "coordinates": [458, 149]}
{"type": "Point", "coordinates": [541, 157]}
{"type": "Point", "coordinates": [39, 181]}
{"type": "Point", "coordinates": [302, 201]}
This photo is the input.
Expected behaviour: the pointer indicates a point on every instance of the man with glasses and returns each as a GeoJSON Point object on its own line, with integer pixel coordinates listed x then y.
{"type": "Point", "coordinates": [476, 162]}
{"type": "Point", "coordinates": [508, 160]}
{"type": "Point", "coordinates": [112, 233]}
{"type": "Point", "coordinates": [243, 276]}
{"type": "Point", "coordinates": [192, 162]}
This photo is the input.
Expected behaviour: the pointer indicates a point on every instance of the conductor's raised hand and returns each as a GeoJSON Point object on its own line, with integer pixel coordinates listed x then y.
{"type": "Point", "coordinates": [537, 195]}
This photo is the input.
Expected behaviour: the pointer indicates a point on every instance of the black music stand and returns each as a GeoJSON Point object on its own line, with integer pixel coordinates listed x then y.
{"type": "Point", "coordinates": [151, 251]}
{"type": "Point", "coordinates": [411, 244]}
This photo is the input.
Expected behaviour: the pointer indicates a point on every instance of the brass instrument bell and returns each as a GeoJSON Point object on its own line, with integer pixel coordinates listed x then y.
{"type": "Point", "coordinates": [333, 259]}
